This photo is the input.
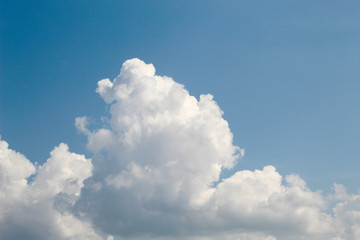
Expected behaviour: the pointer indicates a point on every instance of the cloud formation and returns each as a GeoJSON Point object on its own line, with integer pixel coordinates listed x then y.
{"type": "Point", "coordinates": [155, 174]}
{"type": "Point", "coordinates": [40, 210]}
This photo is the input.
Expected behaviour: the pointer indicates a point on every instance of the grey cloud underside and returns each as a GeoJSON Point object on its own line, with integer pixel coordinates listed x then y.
{"type": "Point", "coordinates": [152, 176]}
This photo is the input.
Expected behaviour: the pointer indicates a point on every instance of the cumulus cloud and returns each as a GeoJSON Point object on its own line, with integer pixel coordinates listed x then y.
{"type": "Point", "coordinates": [165, 151]}
{"type": "Point", "coordinates": [347, 214]}
{"type": "Point", "coordinates": [29, 210]}
{"type": "Point", "coordinates": [155, 174]}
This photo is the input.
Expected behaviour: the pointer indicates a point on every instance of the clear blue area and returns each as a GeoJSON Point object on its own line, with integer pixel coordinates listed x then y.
{"type": "Point", "coordinates": [286, 73]}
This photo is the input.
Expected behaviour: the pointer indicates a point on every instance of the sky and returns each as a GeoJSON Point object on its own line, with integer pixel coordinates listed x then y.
{"type": "Point", "coordinates": [179, 119]}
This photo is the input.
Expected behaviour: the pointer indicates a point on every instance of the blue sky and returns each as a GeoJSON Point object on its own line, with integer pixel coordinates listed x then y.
{"type": "Point", "coordinates": [285, 73]}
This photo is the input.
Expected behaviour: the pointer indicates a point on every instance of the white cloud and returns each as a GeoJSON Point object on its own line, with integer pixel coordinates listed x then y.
{"type": "Point", "coordinates": [14, 169]}
{"type": "Point", "coordinates": [40, 210]}
{"type": "Point", "coordinates": [155, 175]}
{"type": "Point", "coordinates": [347, 214]}
{"type": "Point", "coordinates": [165, 150]}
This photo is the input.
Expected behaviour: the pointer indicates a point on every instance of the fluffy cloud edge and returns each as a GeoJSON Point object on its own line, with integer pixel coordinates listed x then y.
{"type": "Point", "coordinates": [152, 176]}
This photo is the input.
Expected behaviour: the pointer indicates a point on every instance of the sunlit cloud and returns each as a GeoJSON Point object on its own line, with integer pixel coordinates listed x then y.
{"type": "Point", "coordinates": [155, 174]}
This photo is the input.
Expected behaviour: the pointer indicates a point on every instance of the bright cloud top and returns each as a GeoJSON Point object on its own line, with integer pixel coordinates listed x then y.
{"type": "Point", "coordinates": [155, 174]}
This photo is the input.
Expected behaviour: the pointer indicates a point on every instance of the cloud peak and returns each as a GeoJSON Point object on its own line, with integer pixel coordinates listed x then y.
{"type": "Point", "coordinates": [152, 176]}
